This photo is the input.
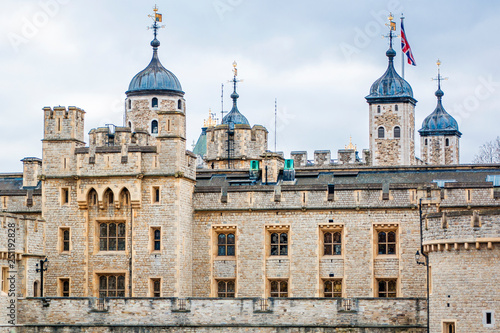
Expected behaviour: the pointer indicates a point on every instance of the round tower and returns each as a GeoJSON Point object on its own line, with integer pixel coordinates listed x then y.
{"type": "Point", "coordinates": [392, 116]}
{"type": "Point", "coordinates": [439, 135]}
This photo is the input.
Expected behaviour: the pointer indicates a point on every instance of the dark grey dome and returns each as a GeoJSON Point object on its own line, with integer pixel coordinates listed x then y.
{"type": "Point", "coordinates": [235, 116]}
{"type": "Point", "coordinates": [155, 77]}
{"type": "Point", "coordinates": [390, 84]}
{"type": "Point", "coordinates": [439, 122]}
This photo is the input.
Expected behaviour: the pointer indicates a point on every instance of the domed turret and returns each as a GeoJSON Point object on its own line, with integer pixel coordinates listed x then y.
{"type": "Point", "coordinates": [390, 84]}
{"type": "Point", "coordinates": [439, 121]}
{"type": "Point", "coordinates": [439, 135]}
{"type": "Point", "coordinates": [234, 116]}
{"type": "Point", "coordinates": [154, 78]}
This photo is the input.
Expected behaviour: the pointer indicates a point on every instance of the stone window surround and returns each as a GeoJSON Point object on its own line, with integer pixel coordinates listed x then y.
{"type": "Point", "coordinates": [387, 278]}
{"type": "Point", "coordinates": [152, 240]}
{"type": "Point", "coordinates": [154, 196]}
{"type": "Point", "coordinates": [322, 284]}
{"type": "Point", "coordinates": [225, 229]}
{"type": "Point", "coordinates": [331, 227]}
{"type": "Point", "coordinates": [445, 325]}
{"type": "Point", "coordinates": [151, 286]}
{"type": "Point", "coordinates": [60, 246]}
{"type": "Point", "coordinates": [386, 227]}
{"type": "Point", "coordinates": [281, 280]}
{"type": "Point", "coordinates": [217, 291]}
{"type": "Point", "coordinates": [97, 247]}
{"type": "Point", "coordinates": [280, 229]}
{"type": "Point", "coordinates": [5, 284]}
{"type": "Point", "coordinates": [65, 196]}
{"type": "Point", "coordinates": [60, 286]}
{"type": "Point", "coordinates": [116, 273]}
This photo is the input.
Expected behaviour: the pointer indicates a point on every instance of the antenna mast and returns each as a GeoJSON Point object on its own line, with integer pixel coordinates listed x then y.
{"type": "Point", "coordinates": [275, 121]}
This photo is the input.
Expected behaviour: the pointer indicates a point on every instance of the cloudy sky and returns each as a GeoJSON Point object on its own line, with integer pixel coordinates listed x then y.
{"type": "Point", "coordinates": [318, 58]}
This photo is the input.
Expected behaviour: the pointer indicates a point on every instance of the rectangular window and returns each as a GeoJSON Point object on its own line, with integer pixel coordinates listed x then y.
{"type": "Point", "coordinates": [279, 243]}
{"type": "Point", "coordinates": [226, 244]}
{"type": "Point", "coordinates": [64, 290]}
{"type": "Point", "coordinates": [386, 239]}
{"type": "Point", "coordinates": [155, 238]}
{"type": "Point", "coordinates": [111, 285]}
{"type": "Point", "coordinates": [330, 241]}
{"type": "Point", "coordinates": [4, 202]}
{"type": "Point", "coordinates": [449, 327]}
{"type": "Point", "coordinates": [156, 194]}
{"type": "Point", "coordinates": [5, 282]}
{"type": "Point", "coordinates": [279, 288]}
{"type": "Point", "coordinates": [64, 196]}
{"type": "Point", "coordinates": [387, 287]}
{"type": "Point", "coordinates": [489, 318]}
{"type": "Point", "coordinates": [226, 288]}
{"type": "Point", "coordinates": [64, 237]}
{"type": "Point", "coordinates": [112, 236]}
{"type": "Point", "coordinates": [156, 287]}
{"type": "Point", "coordinates": [332, 288]}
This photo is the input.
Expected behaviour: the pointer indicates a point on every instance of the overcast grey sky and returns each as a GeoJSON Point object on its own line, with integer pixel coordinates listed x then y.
{"type": "Point", "coordinates": [318, 58]}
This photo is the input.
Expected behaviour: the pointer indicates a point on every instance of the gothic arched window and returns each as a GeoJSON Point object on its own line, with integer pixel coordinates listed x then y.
{"type": "Point", "coordinates": [381, 132]}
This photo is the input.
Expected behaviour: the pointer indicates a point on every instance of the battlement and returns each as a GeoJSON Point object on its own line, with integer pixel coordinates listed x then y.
{"type": "Point", "coordinates": [61, 123]}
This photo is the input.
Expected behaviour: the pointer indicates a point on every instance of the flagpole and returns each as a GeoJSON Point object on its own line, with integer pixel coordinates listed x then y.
{"type": "Point", "coordinates": [402, 54]}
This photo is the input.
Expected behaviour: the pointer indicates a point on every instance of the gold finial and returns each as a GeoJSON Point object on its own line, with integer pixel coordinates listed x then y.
{"type": "Point", "coordinates": [438, 62]}
{"type": "Point", "coordinates": [350, 146]}
{"type": "Point", "coordinates": [155, 8]}
{"type": "Point", "coordinates": [235, 70]}
{"type": "Point", "coordinates": [391, 17]}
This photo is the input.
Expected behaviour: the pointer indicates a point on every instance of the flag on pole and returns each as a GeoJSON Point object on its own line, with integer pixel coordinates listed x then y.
{"type": "Point", "coordinates": [158, 17]}
{"type": "Point", "coordinates": [405, 47]}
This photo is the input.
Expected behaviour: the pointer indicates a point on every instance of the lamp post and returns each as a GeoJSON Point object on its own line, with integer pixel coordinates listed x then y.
{"type": "Point", "coordinates": [424, 263]}
{"type": "Point", "coordinates": [44, 264]}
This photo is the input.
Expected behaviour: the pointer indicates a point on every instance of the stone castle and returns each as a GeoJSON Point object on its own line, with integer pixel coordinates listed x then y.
{"type": "Point", "coordinates": [135, 233]}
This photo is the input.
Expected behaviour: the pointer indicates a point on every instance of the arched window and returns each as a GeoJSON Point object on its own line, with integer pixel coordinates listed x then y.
{"type": "Point", "coordinates": [447, 142]}
{"type": "Point", "coordinates": [381, 132]}
{"type": "Point", "coordinates": [154, 102]}
{"type": "Point", "coordinates": [396, 107]}
{"type": "Point", "coordinates": [130, 125]}
{"type": "Point", "coordinates": [378, 108]}
{"type": "Point", "coordinates": [109, 197]}
{"type": "Point", "coordinates": [179, 104]}
{"type": "Point", "coordinates": [397, 132]}
{"type": "Point", "coordinates": [92, 198]}
{"type": "Point", "coordinates": [124, 197]}
{"type": "Point", "coordinates": [130, 104]}
{"type": "Point", "coordinates": [154, 127]}
{"type": "Point", "coordinates": [425, 143]}
{"type": "Point", "coordinates": [36, 288]}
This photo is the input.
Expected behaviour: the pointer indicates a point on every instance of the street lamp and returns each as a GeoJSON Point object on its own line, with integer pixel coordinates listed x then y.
{"type": "Point", "coordinates": [417, 259]}
{"type": "Point", "coordinates": [44, 264]}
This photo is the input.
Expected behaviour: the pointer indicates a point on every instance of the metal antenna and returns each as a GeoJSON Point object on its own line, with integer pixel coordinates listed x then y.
{"type": "Point", "coordinates": [222, 103]}
{"type": "Point", "coordinates": [275, 121]}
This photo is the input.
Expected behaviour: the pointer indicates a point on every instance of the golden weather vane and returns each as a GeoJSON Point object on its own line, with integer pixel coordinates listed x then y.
{"type": "Point", "coordinates": [439, 78]}
{"type": "Point", "coordinates": [157, 18]}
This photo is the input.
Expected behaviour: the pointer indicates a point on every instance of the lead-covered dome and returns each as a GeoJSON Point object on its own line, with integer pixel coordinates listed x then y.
{"type": "Point", "coordinates": [155, 77]}
{"type": "Point", "coordinates": [439, 122]}
{"type": "Point", "coordinates": [390, 85]}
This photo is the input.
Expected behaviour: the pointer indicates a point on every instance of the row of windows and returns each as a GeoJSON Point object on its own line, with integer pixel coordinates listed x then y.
{"type": "Point", "coordinates": [154, 103]}
{"type": "Point", "coordinates": [446, 142]}
{"type": "Point", "coordinates": [112, 238]}
{"type": "Point", "coordinates": [395, 108]}
{"type": "Point", "coordinates": [396, 131]}
{"type": "Point", "coordinates": [113, 285]}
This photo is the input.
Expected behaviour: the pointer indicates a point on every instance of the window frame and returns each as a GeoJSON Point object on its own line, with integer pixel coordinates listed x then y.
{"type": "Point", "coordinates": [117, 275]}
{"type": "Point", "coordinates": [397, 130]}
{"type": "Point", "coordinates": [65, 197]}
{"type": "Point", "coordinates": [224, 229]}
{"type": "Point", "coordinates": [379, 132]}
{"type": "Point", "coordinates": [60, 287]}
{"type": "Point", "coordinates": [152, 284]}
{"type": "Point", "coordinates": [155, 129]}
{"type": "Point", "coordinates": [117, 238]}
{"type": "Point", "coordinates": [280, 229]}
{"type": "Point", "coordinates": [156, 195]}
{"type": "Point", "coordinates": [279, 292]}
{"type": "Point", "coordinates": [387, 228]}
{"type": "Point", "coordinates": [226, 293]}
{"type": "Point", "coordinates": [446, 325]}
{"type": "Point", "coordinates": [62, 241]}
{"type": "Point", "coordinates": [155, 102]}
{"type": "Point", "coordinates": [334, 294]}
{"type": "Point", "coordinates": [5, 282]}
{"type": "Point", "coordinates": [154, 240]}
{"type": "Point", "coordinates": [332, 228]}
{"type": "Point", "coordinates": [387, 280]}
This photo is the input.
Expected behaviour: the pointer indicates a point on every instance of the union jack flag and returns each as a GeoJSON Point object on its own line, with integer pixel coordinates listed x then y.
{"type": "Point", "coordinates": [405, 47]}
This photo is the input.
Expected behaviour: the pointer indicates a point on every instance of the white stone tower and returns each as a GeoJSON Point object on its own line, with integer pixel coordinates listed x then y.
{"type": "Point", "coordinates": [439, 135]}
{"type": "Point", "coordinates": [392, 117]}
